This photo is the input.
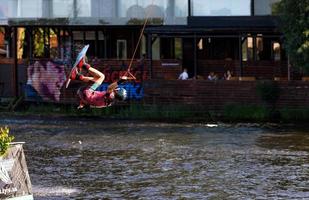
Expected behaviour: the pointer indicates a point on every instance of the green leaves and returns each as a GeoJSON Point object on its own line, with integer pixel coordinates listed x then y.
{"type": "Point", "coordinates": [269, 92]}
{"type": "Point", "coordinates": [295, 26]}
{"type": "Point", "coordinates": [5, 140]}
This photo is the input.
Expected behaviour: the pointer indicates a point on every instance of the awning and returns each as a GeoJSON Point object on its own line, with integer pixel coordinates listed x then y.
{"type": "Point", "coordinates": [235, 22]}
{"type": "Point", "coordinates": [3, 22]}
{"type": "Point", "coordinates": [217, 26]}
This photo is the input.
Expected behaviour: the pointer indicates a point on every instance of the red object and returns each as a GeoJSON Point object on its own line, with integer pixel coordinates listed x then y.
{"type": "Point", "coordinates": [98, 99]}
{"type": "Point", "coordinates": [75, 75]}
{"type": "Point", "coordinates": [82, 65]}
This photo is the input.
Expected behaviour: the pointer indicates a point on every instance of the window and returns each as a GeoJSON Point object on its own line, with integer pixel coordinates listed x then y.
{"type": "Point", "coordinates": [29, 8]}
{"type": "Point", "coordinates": [137, 8]}
{"type": "Point", "coordinates": [3, 9]}
{"type": "Point", "coordinates": [2, 42]}
{"type": "Point", "coordinates": [63, 8]}
{"type": "Point", "coordinates": [276, 51]}
{"type": "Point", "coordinates": [259, 48]}
{"type": "Point", "coordinates": [178, 48]}
{"type": "Point", "coordinates": [250, 48]}
{"type": "Point", "coordinates": [156, 49]}
{"type": "Point", "coordinates": [181, 8]}
{"type": "Point", "coordinates": [221, 8]}
{"type": "Point", "coordinates": [83, 8]}
{"type": "Point", "coordinates": [121, 49]}
{"type": "Point", "coordinates": [264, 7]}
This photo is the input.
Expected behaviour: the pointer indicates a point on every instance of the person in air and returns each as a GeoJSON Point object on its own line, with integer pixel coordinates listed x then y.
{"type": "Point", "coordinates": [88, 95]}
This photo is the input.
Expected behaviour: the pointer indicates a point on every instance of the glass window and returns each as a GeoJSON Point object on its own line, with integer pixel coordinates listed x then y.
{"type": "Point", "coordinates": [135, 8]}
{"type": "Point", "coordinates": [63, 8]}
{"type": "Point", "coordinates": [156, 49]}
{"type": "Point", "coordinates": [181, 8]}
{"type": "Point", "coordinates": [178, 48]}
{"type": "Point", "coordinates": [250, 48]}
{"type": "Point", "coordinates": [276, 51]}
{"type": "Point", "coordinates": [221, 8]}
{"type": "Point", "coordinates": [103, 8]}
{"type": "Point", "coordinates": [247, 49]}
{"type": "Point", "coordinates": [3, 9]}
{"type": "Point", "coordinates": [264, 7]}
{"type": "Point", "coordinates": [2, 42]}
{"type": "Point", "coordinates": [83, 8]}
{"type": "Point", "coordinates": [259, 47]}
{"type": "Point", "coordinates": [121, 49]}
{"type": "Point", "coordinates": [29, 8]}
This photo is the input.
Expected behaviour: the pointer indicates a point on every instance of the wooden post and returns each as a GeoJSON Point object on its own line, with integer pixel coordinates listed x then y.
{"type": "Point", "coordinates": [15, 65]}
{"type": "Point", "coordinates": [30, 43]}
{"type": "Point", "coordinates": [240, 55]}
{"type": "Point", "coordinates": [195, 56]}
{"type": "Point", "coordinates": [59, 42]}
{"type": "Point", "coordinates": [72, 56]}
{"type": "Point", "coordinates": [96, 44]}
{"type": "Point", "coordinates": [44, 42]}
{"type": "Point", "coordinates": [289, 68]}
{"type": "Point", "coordinates": [149, 53]}
{"type": "Point", "coordinates": [105, 43]}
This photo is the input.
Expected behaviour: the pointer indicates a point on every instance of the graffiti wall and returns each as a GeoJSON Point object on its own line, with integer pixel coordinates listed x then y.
{"type": "Point", "coordinates": [46, 82]}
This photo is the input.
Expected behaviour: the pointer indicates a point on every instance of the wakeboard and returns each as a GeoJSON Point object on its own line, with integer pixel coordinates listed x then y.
{"type": "Point", "coordinates": [80, 56]}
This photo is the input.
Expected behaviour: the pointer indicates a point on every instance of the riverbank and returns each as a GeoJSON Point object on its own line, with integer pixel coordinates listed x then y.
{"type": "Point", "coordinates": [232, 113]}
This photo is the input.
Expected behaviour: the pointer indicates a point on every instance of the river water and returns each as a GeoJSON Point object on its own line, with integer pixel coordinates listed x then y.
{"type": "Point", "coordinates": [99, 159]}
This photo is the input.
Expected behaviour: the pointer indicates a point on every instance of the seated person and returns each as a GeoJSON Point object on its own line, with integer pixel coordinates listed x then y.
{"type": "Point", "coordinates": [228, 75]}
{"type": "Point", "coordinates": [212, 76]}
{"type": "Point", "coordinates": [184, 75]}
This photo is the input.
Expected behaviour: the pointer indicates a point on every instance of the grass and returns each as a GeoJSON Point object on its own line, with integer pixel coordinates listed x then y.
{"type": "Point", "coordinates": [295, 114]}
{"type": "Point", "coordinates": [178, 113]}
{"type": "Point", "coordinates": [254, 113]}
{"type": "Point", "coordinates": [131, 111]}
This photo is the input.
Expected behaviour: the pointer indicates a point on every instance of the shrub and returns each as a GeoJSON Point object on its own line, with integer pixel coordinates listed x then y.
{"type": "Point", "coordinates": [269, 92]}
{"type": "Point", "coordinates": [235, 112]}
{"type": "Point", "coordinates": [5, 140]}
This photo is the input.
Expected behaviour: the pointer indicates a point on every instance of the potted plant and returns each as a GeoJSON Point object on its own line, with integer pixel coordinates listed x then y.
{"type": "Point", "coordinates": [5, 140]}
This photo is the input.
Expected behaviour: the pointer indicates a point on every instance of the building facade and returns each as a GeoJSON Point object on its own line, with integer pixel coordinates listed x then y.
{"type": "Point", "coordinates": [201, 35]}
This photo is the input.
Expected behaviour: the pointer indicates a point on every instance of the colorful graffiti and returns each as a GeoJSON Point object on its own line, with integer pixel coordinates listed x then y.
{"type": "Point", "coordinates": [46, 79]}
{"type": "Point", "coordinates": [135, 90]}
{"type": "Point", "coordinates": [111, 76]}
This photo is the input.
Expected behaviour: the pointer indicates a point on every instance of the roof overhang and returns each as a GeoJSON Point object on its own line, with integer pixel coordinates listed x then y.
{"type": "Point", "coordinates": [220, 26]}
{"type": "Point", "coordinates": [234, 22]}
{"type": "Point", "coordinates": [3, 22]}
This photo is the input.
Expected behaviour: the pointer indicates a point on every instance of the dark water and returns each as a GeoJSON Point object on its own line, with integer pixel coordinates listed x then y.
{"type": "Point", "coordinates": [72, 159]}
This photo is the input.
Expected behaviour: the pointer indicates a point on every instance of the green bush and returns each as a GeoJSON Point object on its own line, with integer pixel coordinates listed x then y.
{"type": "Point", "coordinates": [269, 92]}
{"type": "Point", "coordinates": [5, 140]}
{"type": "Point", "coordinates": [254, 113]}
{"type": "Point", "coordinates": [295, 115]}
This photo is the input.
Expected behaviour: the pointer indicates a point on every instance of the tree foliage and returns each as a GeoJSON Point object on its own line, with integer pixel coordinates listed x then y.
{"type": "Point", "coordinates": [294, 15]}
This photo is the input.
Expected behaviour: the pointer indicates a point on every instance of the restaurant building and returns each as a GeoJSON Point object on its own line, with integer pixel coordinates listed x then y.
{"type": "Point", "coordinates": [203, 36]}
